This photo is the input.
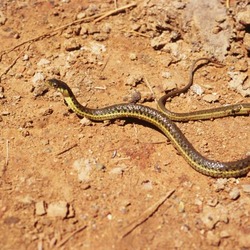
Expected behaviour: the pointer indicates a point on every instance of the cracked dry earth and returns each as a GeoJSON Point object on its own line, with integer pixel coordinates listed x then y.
{"type": "Point", "coordinates": [70, 183]}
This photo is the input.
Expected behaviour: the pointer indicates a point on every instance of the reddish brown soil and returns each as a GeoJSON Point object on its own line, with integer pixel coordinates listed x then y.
{"type": "Point", "coordinates": [125, 169]}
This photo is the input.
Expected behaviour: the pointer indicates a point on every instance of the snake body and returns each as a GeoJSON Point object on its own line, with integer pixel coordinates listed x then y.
{"type": "Point", "coordinates": [228, 110]}
{"type": "Point", "coordinates": [162, 122]}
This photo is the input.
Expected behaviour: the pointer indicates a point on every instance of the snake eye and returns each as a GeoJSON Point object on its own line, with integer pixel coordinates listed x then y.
{"type": "Point", "coordinates": [53, 83]}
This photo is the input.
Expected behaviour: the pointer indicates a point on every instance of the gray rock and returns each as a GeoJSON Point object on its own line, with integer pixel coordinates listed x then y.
{"type": "Point", "coordinates": [239, 82]}
{"type": "Point", "coordinates": [197, 89]}
{"type": "Point", "coordinates": [58, 209]}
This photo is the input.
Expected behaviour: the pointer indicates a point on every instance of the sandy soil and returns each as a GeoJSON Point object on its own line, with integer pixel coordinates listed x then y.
{"type": "Point", "coordinates": [70, 183]}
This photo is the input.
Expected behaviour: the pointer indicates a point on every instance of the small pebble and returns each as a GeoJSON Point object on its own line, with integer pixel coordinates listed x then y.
{"type": "Point", "coordinates": [147, 185]}
{"type": "Point", "coordinates": [16, 35]}
{"type": "Point", "coordinates": [238, 79]}
{"type": "Point", "coordinates": [117, 171]}
{"type": "Point", "coordinates": [85, 186]}
{"type": "Point", "coordinates": [84, 30]}
{"type": "Point", "coordinates": [220, 19]}
{"type": "Point", "coordinates": [132, 56]}
{"type": "Point", "coordinates": [124, 208]}
{"type": "Point", "coordinates": [210, 98]}
{"type": "Point", "coordinates": [224, 234]}
{"type": "Point", "coordinates": [173, 49]}
{"type": "Point", "coordinates": [3, 19]}
{"type": "Point", "coordinates": [100, 37]}
{"type": "Point", "coordinates": [213, 202]}
{"type": "Point", "coordinates": [167, 86]}
{"type": "Point", "coordinates": [43, 62]}
{"type": "Point", "coordinates": [40, 208]}
{"type": "Point", "coordinates": [234, 193]}
{"type": "Point", "coordinates": [243, 16]}
{"type": "Point", "coordinates": [160, 41]}
{"type": "Point", "coordinates": [106, 28]}
{"type": "Point", "coordinates": [211, 216]}
{"type": "Point", "coordinates": [81, 15]}
{"type": "Point", "coordinates": [134, 97]}
{"type": "Point", "coordinates": [1, 92]}
{"type": "Point", "coordinates": [134, 80]}
{"type": "Point", "coordinates": [47, 112]}
{"type": "Point", "coordinates": [58, 209]}
{"type": "Point", "coordinates": [25, 57]}
{"type": "Point", "coordinates": [85, 121]}
{"type": "Point", "coordinates": [166, 74]}
{"type": "Point", "coordinates": [99, 166]}
{"type": "Point", "coordinates": [246, 188]}
{"type": "Point", "coordinates": [109, 217]}
{"type": "Point", "coordinates": [220, 184]}
{"type": "Point", "coordinates": [5, 113]}
{"type": "Point", "coordinates": [71, 212]}
{"type": "Point", "coordinates": [198, 201]}
{"type": "Point", "coordinates": [181, 207]}
{"type": "Point", "coordinates": [178, 5]}
{"type": "Point", "coordinates": [97, 48]}
{"type": "Point", "coordinates": [213, 239]}
{"type": "Point", "coordinates": [38, 77]}
{"type": "Point", "coordinates": [84, 167]}
{"type": "Point", "coordinates": [197, 89]}
{"type": "Point", "coordinates": [19, 75]}
{"type": "Point", "coordinates": [135, 27]}
{"type": "Point", "coordinates": [185, 228]}
{"type": "Point", "coordinates": [71, 45]}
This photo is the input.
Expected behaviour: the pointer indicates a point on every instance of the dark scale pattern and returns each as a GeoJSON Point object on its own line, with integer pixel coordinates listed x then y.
{"type": "Point", "coordinates": [196, 160]}
{"type": "Point", "coordinates": [212, 168]}
{"type": "Point", "coordinates": [218, 168]}
{"type": "Point", "coordinates": [209, 167]}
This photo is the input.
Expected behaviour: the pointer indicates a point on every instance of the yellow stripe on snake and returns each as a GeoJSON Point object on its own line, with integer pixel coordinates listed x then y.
{"type": "Point", "coordinates": [163, 120]}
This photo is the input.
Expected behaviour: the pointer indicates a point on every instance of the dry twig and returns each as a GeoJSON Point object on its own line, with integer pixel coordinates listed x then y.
{"type": "Point", "coordinates": [67, 149]}
{"type": "Point", "coordinates": [137, 33]}
{"type": "Point", "coordinates": [13, 63]}
{"type": "Point", "coordinates": [145, 215]}
{"type": "Point", "coordinates": [115, 11]}
{"type": "Point", "coordinates": [150, 88]}
{"type": "Point", "coordinates": [63, 242]}
{"type": "Point", "coordinates": [48, 34]}
{"type": "Point", "coordinates": [97, 18]}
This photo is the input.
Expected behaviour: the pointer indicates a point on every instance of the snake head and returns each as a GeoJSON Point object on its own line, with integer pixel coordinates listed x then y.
{"type": "Point", "coordinates": [60, 86]}
{"type": "Point", "coordinates": [55, 83]}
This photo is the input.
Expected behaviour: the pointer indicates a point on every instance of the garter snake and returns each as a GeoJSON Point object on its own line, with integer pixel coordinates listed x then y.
{"type": "Point", "coordinates": [229, 110]}
{"type": "Point", "coordinates": [162, 122]}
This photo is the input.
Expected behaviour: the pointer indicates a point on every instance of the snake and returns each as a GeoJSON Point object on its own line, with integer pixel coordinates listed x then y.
{"type": "Point", "coordinates": [205, 114]}
{"type": "Point", "coordinates": [161, 121]}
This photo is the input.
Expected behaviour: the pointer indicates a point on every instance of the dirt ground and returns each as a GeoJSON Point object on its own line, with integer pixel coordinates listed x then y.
{"type": "Point", "coordinates": [70, 183]}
